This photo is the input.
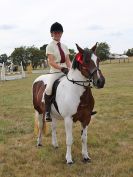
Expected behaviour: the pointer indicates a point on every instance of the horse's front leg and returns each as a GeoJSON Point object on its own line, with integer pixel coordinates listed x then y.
{"type": "Point", "coordinates": [85, 155]}
{"type": "Point", "coordinates": [69, 138]}
{"type": "Point", "coordinates": [54, 138]}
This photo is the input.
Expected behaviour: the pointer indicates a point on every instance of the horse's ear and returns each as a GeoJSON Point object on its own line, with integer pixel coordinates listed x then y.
{"type": "Point", "coordinates": [79, 49]}
{"type": "Point", "coordinates": [94, 47]}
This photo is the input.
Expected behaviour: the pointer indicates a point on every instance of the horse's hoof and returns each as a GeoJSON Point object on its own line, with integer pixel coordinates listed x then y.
{"type": "Point", "coordinates": [39, 145]}
{"type": "Point", "coordinates": [93, 112]}
{"type": "Point", "coordinates": [48, 120]}
{"type": "Point", "coordinates": [87, 160]}
{"type": "Point", "coordinates": [56, 147]}
{"type": "Point", "coordinates": [70, 163]}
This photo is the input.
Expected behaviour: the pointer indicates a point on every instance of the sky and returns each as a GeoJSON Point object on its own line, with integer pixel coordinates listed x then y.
{"type": "Point", "coordinates": [85, 22]}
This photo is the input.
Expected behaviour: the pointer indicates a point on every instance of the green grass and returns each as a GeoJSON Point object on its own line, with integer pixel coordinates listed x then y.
{"type": "Point", "coordinates": [110, 133]}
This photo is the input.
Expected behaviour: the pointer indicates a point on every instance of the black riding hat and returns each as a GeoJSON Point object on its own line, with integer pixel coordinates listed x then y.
{"type": "Point", "coordinates": [56, 27]}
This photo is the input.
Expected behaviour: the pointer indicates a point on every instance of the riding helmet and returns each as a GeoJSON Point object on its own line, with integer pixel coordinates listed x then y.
{"type": "Point", "coordinates": [56, 27]}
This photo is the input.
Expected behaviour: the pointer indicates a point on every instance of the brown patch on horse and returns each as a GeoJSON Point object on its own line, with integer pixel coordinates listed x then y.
{"type": "Point", "coordinates": [38, 90]}
{"type": "Point", "coordinates": [85, 108]}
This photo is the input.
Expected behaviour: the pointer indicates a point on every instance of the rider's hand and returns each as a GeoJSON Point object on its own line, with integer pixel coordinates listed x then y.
{"type": "Point", "coordinates": [64, 70]}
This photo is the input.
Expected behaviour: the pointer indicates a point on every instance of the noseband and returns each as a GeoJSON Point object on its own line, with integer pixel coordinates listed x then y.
{"type": "Point", "coordinates": [92, 72]}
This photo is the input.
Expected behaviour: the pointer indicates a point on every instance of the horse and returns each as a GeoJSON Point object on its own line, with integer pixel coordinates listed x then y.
{"type": "Point", "coordinates": [73, 100]}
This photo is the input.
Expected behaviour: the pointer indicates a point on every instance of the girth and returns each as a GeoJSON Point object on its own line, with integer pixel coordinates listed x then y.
{"type": "Point", "coordinates": [54, 89]}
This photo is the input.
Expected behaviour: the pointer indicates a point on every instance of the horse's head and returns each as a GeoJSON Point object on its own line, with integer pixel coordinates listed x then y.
{"type": "Point", "coordinates": [88, 64]}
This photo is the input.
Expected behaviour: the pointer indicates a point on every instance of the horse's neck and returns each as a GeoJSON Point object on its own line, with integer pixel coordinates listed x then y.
{"type": "Point", "coordinates": [69, 94]}
{"type": "Point", "coordinates": [76, 75]}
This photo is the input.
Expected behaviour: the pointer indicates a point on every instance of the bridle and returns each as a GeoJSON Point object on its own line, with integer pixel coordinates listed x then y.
{"type": "Point", "coordinates": [84, 68]}
{"type": "Point", "coordinates": [93, 71]}
{"type": "Point", "coordinates": [81, 83]}
{"type": "Point", "coordinates": [90, 72]}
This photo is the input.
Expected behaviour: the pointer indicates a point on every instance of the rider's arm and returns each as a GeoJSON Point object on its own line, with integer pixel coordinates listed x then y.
{"type": "Point", "coordinates": [51, 61]}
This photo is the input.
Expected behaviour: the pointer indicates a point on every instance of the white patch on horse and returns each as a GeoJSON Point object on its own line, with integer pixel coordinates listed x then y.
{"type": "Point", "coordinates": [94, 59]}
{"type": "Point", "coordinates": [69, 93]}
{"type": "Point", "coordinates": [98, 75]}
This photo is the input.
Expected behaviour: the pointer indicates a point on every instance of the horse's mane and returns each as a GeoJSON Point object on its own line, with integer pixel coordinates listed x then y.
{"type": "Point", "coordinates": [75, 63]}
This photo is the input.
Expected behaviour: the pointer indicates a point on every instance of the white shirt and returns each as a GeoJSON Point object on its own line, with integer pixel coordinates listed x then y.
{"type": "Point", "coordinates": [53, 49]}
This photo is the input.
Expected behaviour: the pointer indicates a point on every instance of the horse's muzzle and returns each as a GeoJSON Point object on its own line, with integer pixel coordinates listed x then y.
{"type": "Point", "coordinates": [99, 83]}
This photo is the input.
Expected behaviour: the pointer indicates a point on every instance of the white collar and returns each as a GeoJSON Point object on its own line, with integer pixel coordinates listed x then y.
{"type": "Point", "coordinates": [54, 41]}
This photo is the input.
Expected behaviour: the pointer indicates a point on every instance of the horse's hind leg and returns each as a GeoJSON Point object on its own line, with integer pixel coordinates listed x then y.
{"type": "Point", "coordinates": [54, 137]}
{"type": "Point", "coordinates": [39, 127]}
{"type": "Point", "coordinates": [85, 155]}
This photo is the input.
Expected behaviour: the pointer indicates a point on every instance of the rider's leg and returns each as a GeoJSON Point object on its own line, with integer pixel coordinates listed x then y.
{"type": "Point", "coordinates": [48, 93]}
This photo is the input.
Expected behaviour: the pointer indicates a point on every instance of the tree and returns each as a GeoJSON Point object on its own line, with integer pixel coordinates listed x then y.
{"type": "Point", "coordinates": [129, 52]}
{"type": "Point", "coordinates": [36, 56]}
{"type": "Point", "coordinates": [19, 55]}
{"type": "Point", "coordinates": [27, 55]}
{"type": "Point", "coordinates": [3, 58]}
{"type": "Point", "coordinates": [44, 47]}
{"type": "Point", "coordinates": [72, 54]}
{"type": "Point", "coordinates": [103, 51]}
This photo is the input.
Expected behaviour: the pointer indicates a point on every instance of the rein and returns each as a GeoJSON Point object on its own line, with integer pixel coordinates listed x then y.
{"type": "Point", "coordinates": [82, 82]}
{"type": "Point", "coordinates": [53, 72]}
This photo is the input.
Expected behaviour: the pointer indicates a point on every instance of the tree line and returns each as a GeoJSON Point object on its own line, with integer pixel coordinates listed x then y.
{"type": "Point", "coordinates": [37, 56]}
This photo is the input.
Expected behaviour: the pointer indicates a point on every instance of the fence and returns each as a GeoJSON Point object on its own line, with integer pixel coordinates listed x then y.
{"type": "Point", "coordinates": [119, 60]}
{"type": "Point", "coordinates": [4, 75]}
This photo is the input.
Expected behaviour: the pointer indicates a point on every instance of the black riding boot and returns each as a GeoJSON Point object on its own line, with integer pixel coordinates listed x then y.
{"type": "Point", "coordinates": [47, 107]}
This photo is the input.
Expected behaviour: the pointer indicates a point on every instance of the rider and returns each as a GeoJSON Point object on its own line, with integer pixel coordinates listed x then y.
{"type": "Point", "coordinates": [59, 62]}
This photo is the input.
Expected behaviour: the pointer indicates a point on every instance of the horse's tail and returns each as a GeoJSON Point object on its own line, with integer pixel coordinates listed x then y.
{"type": "Point", "coordinates": [39, 124]}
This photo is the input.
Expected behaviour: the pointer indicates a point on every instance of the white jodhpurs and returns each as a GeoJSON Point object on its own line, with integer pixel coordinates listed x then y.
{"type": "Point", "coordinates": [50, 83]}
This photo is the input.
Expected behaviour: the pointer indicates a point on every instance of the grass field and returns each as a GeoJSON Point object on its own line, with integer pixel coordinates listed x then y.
{"type": "Point", "coordinates": [110, 133]}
